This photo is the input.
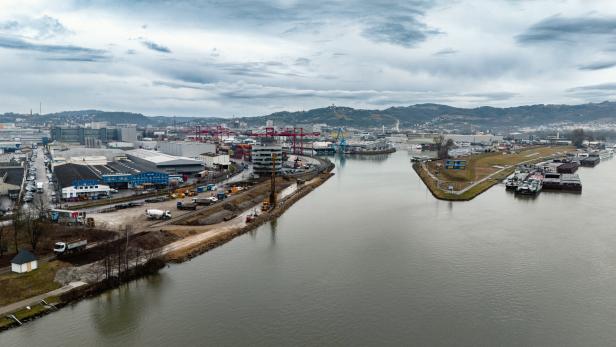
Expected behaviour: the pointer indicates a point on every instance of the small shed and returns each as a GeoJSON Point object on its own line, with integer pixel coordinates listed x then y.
{"type": "Point", "coordinates": [23, 262]}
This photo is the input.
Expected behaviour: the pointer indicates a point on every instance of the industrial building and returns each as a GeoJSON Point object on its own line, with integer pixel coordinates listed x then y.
{"type": "Point", "coordinates": [262, 158]}
{"type": "Point", "coordinates": [11, 181]}
{"type": "Point", "coordinates": [85, 136]}
{"type": "Point", "coordinates": [127, 133]}
{"type": "Point", "coordinates": [25, 136]}
{"type": "Point", "coordinates": [85, 156]}
{"type": "Point", "coordinates": [215, 161]}
{"type": "Point", "coordinates": [186, 149]}
{"type": "Point", "coordinates": [92, 181]}
{"type": "Point", "coordinates": [483, 139]}
{"type": "Point", "coordinates": [85, 190]}
{"type": "Point", "coordinates": [165, 162]}
{"type": "Point", "coordinates": [127, 174]}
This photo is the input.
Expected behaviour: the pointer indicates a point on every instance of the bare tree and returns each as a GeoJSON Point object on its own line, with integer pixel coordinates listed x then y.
{"type": "Point", "coordinates": [38, 209]}
{"type": "Point", "coordinates": [577, 137]}
{"type": "Point", "coordinates": [442, 146]}
{"type": "Point", "coordinates": [35, 229]}
{"type": "Point", "coordinates": [17, 219]}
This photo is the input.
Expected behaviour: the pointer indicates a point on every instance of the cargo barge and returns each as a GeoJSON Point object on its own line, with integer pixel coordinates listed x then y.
{"type": "Point", "coordinates": [566, 182]}
{"type": "Point", "coordinates": [590, 161]}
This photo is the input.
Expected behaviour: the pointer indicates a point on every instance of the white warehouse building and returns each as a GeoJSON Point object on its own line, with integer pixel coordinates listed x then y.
{"type": "Point", "coordinates": [213, 160]}
{"type": "Point", "coordinates": [85, 188]}
{"type": "Point", "coordinates": [186, 149]}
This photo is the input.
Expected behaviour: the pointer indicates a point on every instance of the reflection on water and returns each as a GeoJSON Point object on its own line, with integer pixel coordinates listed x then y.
{"type": "Point", "coordinates": [273, 226]}
{"type": "Point", "coordinates": [368, 157]}
{"type": "Point", "coordinates": [371, 258]}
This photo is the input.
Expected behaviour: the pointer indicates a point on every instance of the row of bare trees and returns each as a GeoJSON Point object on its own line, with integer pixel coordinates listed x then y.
{"type": "Point", "coordinates": [29, 225]}
{"type": "Point", "coordinates": [119, 256]}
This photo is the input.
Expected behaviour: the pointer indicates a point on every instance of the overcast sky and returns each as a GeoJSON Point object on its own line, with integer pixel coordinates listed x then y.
{"type": "Point", "coordinates": [253, 57]}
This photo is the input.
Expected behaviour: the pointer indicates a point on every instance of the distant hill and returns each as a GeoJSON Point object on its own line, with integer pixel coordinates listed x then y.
{"type": "Point", "coordinates": [436, 114]}
{"type": "Point", "coordinates": [408, 116]}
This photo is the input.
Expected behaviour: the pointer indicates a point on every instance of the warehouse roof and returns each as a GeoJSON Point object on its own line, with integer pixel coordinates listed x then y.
{"type": "Point", "coordinates": [161, 159]}
{"type": "Point", "coordinates": [68, 173]}
{"type": "Point", "coordinates": [14, 175]}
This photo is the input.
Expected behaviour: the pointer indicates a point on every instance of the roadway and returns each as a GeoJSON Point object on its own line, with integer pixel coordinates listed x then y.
{"type": "Point", "coordinates": [43, 199]}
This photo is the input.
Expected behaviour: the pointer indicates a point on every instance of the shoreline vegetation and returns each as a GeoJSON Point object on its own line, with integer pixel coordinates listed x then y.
{"type": "Point", "coordinates": [152, 266]}
{"type": "Point", "coordinates": [482, 171]}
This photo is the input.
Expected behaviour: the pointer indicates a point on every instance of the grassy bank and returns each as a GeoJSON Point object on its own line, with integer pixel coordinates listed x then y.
{"type": "Point", "coordinates": [479, 167]}
{"type": "Point", "coordinates": [16, 287]}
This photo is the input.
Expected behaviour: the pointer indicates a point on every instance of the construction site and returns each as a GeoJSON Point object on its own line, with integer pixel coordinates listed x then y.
{"type": "Point", "coordinates": [171, 224]}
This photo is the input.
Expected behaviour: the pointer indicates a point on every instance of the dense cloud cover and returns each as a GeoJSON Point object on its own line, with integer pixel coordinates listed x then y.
{"type": "Point", "coordinates": [251, 57]}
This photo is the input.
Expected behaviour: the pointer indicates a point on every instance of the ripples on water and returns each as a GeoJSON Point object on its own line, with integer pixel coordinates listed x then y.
{"type": "Point", "coordinates": [371, 258]}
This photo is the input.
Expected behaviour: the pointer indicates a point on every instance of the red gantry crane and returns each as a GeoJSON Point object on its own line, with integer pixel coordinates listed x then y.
{"type": "Point", "coordinates": [297, 137]}
{"type": "Point", "coordinates": [217, 132]}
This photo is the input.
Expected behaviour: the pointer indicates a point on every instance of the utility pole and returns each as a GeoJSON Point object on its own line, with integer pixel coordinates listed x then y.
{"type": "Point", "coordinates": [272, 198]}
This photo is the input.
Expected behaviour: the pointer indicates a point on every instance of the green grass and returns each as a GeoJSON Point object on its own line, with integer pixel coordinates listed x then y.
{"type": "Point", "coordinates": [24, 314]}
{"type": "Point", "coordinates": [480, 166]}
{"type": "Point", "coordinates": [15, 287]}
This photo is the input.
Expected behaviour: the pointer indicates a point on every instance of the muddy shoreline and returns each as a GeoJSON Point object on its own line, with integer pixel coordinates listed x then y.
{"type": "Point", "coordinates": [178, 256]}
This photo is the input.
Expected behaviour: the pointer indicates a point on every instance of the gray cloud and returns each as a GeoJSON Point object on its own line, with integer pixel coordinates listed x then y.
{"type": "Point", "coordinates": [405, 31]}
{"type": "Point", "coordinates": [598, 65]}
{"type": "Point", "coordinates": [595, 87]}
{"type": "Point", "coordinates": [492, 96]}
{"type": "Point", "coordinates": [596, 92]}
{"type": "Point", "coordinates": [44, 27]}
{"type": "Point", "coordinates": [155, 46]}
{"type": "Point", "coordinates": [562, 29]}
{"type": "Point", "coordinates": [390, 21]}
{"type": "Point", "coordinates": [291, 54]}
{"type": "Point", "coordinates": [446, 51]}
{"type": "Point", "coordinates": [55, 52]}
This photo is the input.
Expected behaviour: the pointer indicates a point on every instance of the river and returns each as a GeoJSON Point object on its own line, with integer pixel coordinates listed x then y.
{"type": "Point", "coordinates": [371, 258]}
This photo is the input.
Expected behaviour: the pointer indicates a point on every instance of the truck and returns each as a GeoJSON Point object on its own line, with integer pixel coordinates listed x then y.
{"type": "Point", "coordinates": [69, 247]}
{"type": "Point", "coordinates": [67, 216]}
{"type": "Point", "coordinates": [186, 205]}
{"type": "Point", "coordinates": [39, 187]}
{"type": "Point", "coordinates": [211, 187]}
{"type": "Point", "coordinates": [204, 201]}
{"type": "Point", "coordinates": [157, 214]}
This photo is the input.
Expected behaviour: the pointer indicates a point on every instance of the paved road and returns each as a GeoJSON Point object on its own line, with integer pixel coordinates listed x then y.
{"type": "Point", "coordinates": [41, 199]}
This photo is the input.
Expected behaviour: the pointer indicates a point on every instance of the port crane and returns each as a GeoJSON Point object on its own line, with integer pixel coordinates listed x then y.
{"type": "Point", "coordinates": [216, 132]}
{"type": "Point", "coordinates": [297, 137]}
{"type": "Point", "coordinates": [340, 141]}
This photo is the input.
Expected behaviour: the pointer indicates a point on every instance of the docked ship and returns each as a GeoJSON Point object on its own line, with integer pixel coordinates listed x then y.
{"type": "Point", "coordinates": [606, 154]}
{"type": "Point", "coordinates": [515, 180]}
{"type": "Point", "coordinates": [369, 147]}
{"type": "Point", "coordinates": [323, 148]}
{"type": "Point", "coordinates": [532, 185]}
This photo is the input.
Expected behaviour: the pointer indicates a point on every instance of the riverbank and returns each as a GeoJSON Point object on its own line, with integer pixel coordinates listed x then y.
{"type": "Point", "coordinates": [480, 173]}
{"type": "Point", "coordinates": [218, 239]}
{"type": "Point", "coordinates": [45, 304]}
{"type": "Point", "coordinates": [467, 195]}
{"type": "Point", "coordinates": [177, 251]}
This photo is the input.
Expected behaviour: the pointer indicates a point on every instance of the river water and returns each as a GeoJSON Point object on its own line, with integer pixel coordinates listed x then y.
{"type": "Point", "coordinates": [371, 258]}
